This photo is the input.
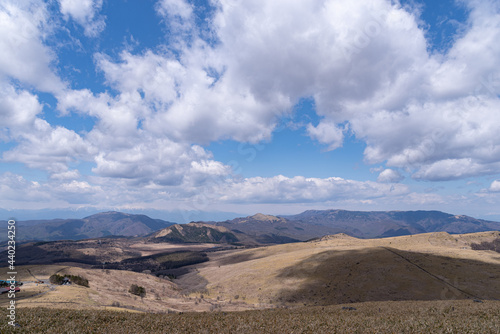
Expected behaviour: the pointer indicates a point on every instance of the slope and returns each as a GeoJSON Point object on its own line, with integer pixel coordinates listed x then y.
{"type": "Point", "coordinates": [342, 269]}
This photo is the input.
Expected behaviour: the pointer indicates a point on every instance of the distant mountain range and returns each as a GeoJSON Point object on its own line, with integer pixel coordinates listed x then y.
{"type": "Point", "coordinates": [376, 224]}
{"type": "Point", "coordinates": [360, 224]}
{"type": "Point", "coordinates": [98, 225]}
{"type": "Point", "coordinates": [256, 229]}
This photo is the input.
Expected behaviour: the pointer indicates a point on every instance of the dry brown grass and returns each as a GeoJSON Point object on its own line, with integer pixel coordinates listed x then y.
{"type": "Point", "coordinates": [376, 317]}
{"type": "Point", "coordinates": [334, 270]}
{"type": "Point", "coordinates": [342, 269]}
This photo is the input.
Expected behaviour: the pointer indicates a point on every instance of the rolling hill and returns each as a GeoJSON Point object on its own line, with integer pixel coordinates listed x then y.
{"type": "Point", "coordinates": [333, 270]}
{"type": "Point", "coordinates": [341, 269]}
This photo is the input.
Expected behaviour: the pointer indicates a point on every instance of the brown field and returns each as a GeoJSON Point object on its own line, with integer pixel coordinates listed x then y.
{"type": "Point", "coordinates": [435, 272]}
{"type": "Point", "coordinates": [458, 316]}
{"type": "Point", "coordinates": [341, 269]}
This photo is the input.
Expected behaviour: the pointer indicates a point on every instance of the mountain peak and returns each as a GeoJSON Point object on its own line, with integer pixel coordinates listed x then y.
{"type": "Point", "coordinates": [263, 217]}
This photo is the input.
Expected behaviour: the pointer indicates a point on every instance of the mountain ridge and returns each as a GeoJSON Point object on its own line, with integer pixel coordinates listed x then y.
{"type": "Point", "coordinates": [110, 223]}
{"type": "Point", "coordinates": [361, 224]}
{"type": "Point", "coordinates": [258, 228]}
{"type": "Point", "coordinates": [373, 224]}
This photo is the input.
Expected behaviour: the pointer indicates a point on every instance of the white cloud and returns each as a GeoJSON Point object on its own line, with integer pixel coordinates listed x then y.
{"type": "Point", "coordinates": [48, 148]}
{"type": "Point", "coordinates": [495, 186]}
{"type": "Point", "coordinates": [15, 188]}
{"type": "Point", "coordinates": [389, 176]}
{"type": "Point", "coordinates": [327, 133]}
{"type": "Point", "coordinates": [76, 187]}
{"type": "Point", "coordinates": [414, 110]}
{"type": "Point", "coordinates": [179, 14]}
{"type": "Point", "coordinates": [158, 77]}
{"type": "Point", "coordinates": [161, 162]}
{"type": "Point", "coordinates": [24, 57]}
{"type": "Point", "coordinates": [281, 189]}
{"type": "Point", "coordinates": [367, 66]}
{"type": "Point", "coordinates": [84, 12]}
{"type": "Point", "coordinates": [66, 175]}
{"type": "Point", "coordinates": [184, 101]}
{"type": "Point", "coordinates": [18, 109]}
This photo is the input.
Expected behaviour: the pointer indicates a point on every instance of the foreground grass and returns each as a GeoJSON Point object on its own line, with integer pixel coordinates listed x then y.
{"type": "Point", "coordinates": [376, 317]}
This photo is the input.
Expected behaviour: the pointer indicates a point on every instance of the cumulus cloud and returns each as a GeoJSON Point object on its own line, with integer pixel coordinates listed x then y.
{"type": "Point", "coordinates": [178, 15]}
{"type": "Point", "coordinates": [24, 56]}
{"type": "Point", "coordinates": [85, 13]}
{"type": "Point", "coordinates": [48, 148]}
{"type": "Point", "coordinates": [66, 175]}
{"type": "Point", "coordinates": [495, 186]}
{"type": "Point", "coordinates": [18, 108]}
{"type": "Point", "coordinates": [186, 101]}
{"type": "Point", "coordinates": [327, 133]}
{"type": "Point", "coordinates": [366, 65]}
{"type": "Point", "coordinates": [390, 176]}
{"type": "Point", "coordinates": [281, 189]}
{"type": "Point", "coordinates": [14, 188]}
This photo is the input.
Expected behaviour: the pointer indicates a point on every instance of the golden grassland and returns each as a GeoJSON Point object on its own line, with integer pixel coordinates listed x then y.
{"type": "Point", "coordinates": [341, 269]}
{"type": "Point", "coordinates": [108, 289]}
{"type": "Point", "coordinates": [333, 270]}
{"type": "Point", "coordinates": [458, 316]}
{"type": "Point", "coordinates": [410, 284]}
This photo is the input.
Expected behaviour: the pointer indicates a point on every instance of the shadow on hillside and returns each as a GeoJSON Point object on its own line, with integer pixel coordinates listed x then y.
{"type": "Point", "coordinates": [238, 258]}
{"type": "Point", "coordinates": [191, 282]}
{"type": "Point", "coordinates": [34, 254]}
{"type": "Point", "coordinates": [383, 274]}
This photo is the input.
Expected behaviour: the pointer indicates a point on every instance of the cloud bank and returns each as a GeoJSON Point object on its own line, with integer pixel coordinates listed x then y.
{"type": "Point", "coordinates": [367, 65]}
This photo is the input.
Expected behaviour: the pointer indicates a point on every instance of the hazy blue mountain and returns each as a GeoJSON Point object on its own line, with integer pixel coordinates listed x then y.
{"type": "Point", "coordinates": [97, 225]}
{"type": "Point", "coordinates": [256, 229]}
{"type": "Point", "coordinates": [362, 224]}
{"type": "Point", "coordinates": [374, 224]}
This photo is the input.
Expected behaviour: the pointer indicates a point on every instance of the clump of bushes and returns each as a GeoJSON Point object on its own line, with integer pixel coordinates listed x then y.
{"type": "Point", "coordinates": [137, 290]}
{"type": "Point", "coordinates": [59, 280]}
{"type": "Point", "coordinates": [493, 245]}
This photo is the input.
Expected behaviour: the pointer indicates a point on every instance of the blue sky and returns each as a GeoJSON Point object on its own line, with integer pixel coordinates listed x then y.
{"type": "Point", "coordinates": [249, 106]}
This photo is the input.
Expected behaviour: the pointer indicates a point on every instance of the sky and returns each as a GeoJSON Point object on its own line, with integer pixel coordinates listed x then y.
{"type": "Point", "coordinates": [250, 106]}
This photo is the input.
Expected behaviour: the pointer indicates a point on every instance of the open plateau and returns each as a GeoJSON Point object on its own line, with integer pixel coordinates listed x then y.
{"type": "Point", "coordinates": [262, 274]}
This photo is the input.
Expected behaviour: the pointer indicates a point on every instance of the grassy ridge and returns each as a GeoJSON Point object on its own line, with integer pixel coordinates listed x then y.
{"type": "Point", "coordinates": [456, 316]}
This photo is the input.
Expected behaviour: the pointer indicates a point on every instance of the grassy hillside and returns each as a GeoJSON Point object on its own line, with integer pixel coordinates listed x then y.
{"type": "Point", "coordinates": [433, 269]}
{"type": "Point", "coordinates": [343, 269]}
{"type": "Point", "coordinates": [381, 317]}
